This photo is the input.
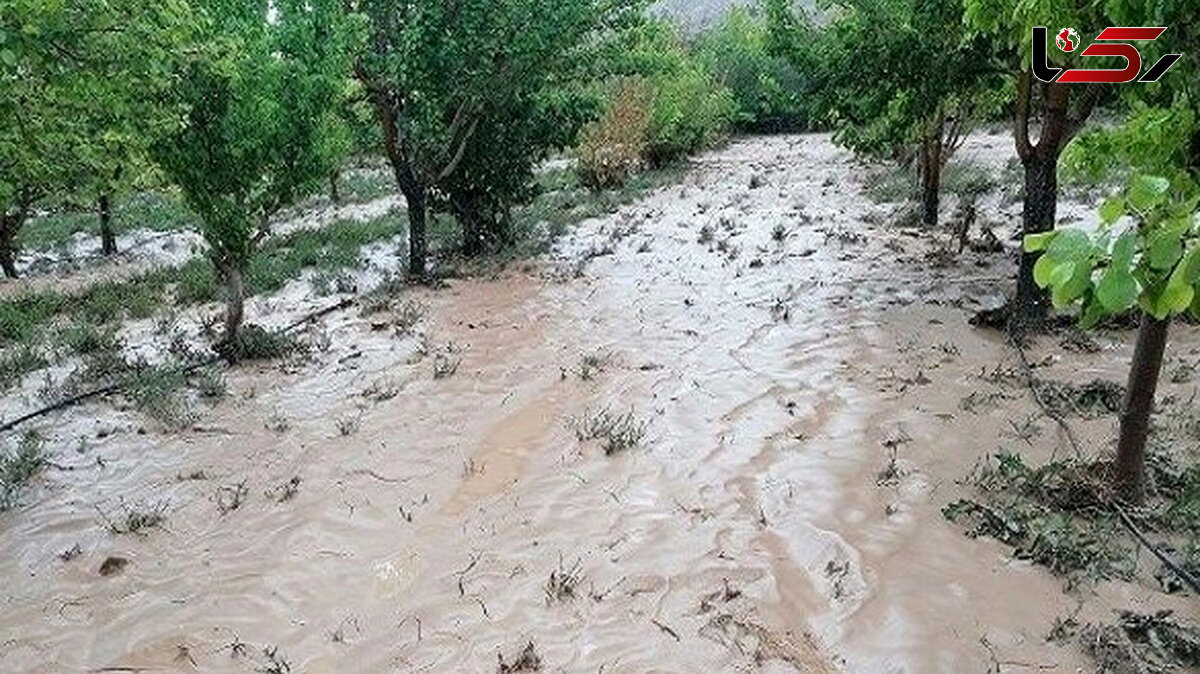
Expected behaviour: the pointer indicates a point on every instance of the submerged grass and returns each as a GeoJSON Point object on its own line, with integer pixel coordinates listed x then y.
{"type": "Point", "coordinates": [562, 202]}
{"type": "Point", "coordinates": [18, 467]}
{"type": "Point", "coordinates": [616, 432]}
{"type": "Point", "coordinates": [896, 184]}
{"type": "Point", "coordinates": [156, 211]}
{"type": "Point", "coordinates": [86, 317]}
{"type": "Point", "coordinates": [165, 211]}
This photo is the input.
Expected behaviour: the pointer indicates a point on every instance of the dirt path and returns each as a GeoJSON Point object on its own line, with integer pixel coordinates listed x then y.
{"type": "Point", "coordinates": [782, 513]}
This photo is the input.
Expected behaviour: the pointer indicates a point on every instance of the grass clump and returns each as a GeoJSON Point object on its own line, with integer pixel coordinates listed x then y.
{"type": "Point", "coordinates": [616, 432]}
{"type": "Point", "coordinates": [87, 338]}
{"type": "Point", "coordinates": [19, 467]}
{"type": "Point", "coordinates": [257, 343]}
{"type": "Point", "coordinates": [159, 392]}
{"type": "Point", "coordinates": [1092, 400]}
{"type": "Point", "coordinates": [891, 185]}
{"type": "Point", "coordinates": [563, 584]}
{"type": "Point", "coordinates": [18, 361]}
{"type": "Point", "coordinates": [527, 660]}
{"type": "Point", "coordinates": [365, 184]}
{"type": "Point", "coordinates": [135, 519]}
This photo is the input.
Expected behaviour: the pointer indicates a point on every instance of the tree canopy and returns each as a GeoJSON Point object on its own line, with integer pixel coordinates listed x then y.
{"type": "Point", "coordinates": [80, 92]}
{"type": "Point", "coordinates": [261, 127]}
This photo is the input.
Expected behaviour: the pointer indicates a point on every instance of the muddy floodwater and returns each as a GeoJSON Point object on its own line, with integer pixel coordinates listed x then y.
{"type": "Point", "coordinates": [798, 368]}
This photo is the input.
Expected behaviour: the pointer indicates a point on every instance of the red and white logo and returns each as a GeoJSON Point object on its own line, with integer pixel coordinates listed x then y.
{"type": "Point", "coordinates": [1067, 39]}
{"type": "Point", "coordinates": [1113, 41]}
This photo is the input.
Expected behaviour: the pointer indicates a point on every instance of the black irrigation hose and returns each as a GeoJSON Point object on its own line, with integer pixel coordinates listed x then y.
{"type": "Point", "coordinates": [113, 388]}
{"type": "Point", "coordinates": [1179, 571]}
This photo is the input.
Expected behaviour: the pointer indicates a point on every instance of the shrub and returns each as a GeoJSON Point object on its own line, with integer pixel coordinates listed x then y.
{"type": "Point", "coordinates": [17, 468]}
{"type": "Point", "coordinates": [611, 148]}
{"type": "Point", "coordinates": [690, 110]}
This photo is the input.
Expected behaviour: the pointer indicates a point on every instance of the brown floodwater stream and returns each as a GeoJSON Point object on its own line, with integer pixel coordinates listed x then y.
{"type": "Point", "coordinates": [753, 528]}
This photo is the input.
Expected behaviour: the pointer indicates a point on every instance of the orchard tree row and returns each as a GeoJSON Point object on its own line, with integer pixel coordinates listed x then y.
{"type": "Point", "coordinates": [907, 78]}
{"type": "Point", "coordinates": [246, 107]}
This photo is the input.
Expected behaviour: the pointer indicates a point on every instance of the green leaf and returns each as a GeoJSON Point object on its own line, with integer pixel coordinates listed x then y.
{"type": "Point", "coordinates": [1111, 210]}
{"type": "Point", "coordinates": [1123, 251]}
{"type": "Point", "coordinates": [1071, 244]}
{"type": "Point", "coordinates": [1176, 298]}
{"type": "Point", "coordinates": [1043, 269]}
{"type": "Point", "coordinates": [1073, 287]}
{"type": "Point", "coordinates": [1117, 290]}
{"type": "Point", "coordinates": [1189, 267]}
{"type": "Point", "coordinates": [1093, 313]}
{"type": "Point", "coordinates": [1145, 191]}
{"type": "Point", "coordinates": [1164, 249]}
{"type": "Point", "coordinates": [1062, 273]}
{"type": "Point", "coordinates": [1038, 242]}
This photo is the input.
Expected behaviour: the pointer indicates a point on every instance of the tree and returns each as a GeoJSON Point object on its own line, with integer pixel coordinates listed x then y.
{"type": "Point", "coordinates": [261, 128]}
{"type": "Point", "coordinates": [914, 89]}
{"type": "Point", "coordinates": [448, 77]}
{"type": "Point", "coordinates": [1147, 252]}
{"type": "Point", "coordinates": [76, 80]}
{"type": "Point", "coordinates": [767, 87]}
{"type": "Point", "coordinates": [1060, 111]}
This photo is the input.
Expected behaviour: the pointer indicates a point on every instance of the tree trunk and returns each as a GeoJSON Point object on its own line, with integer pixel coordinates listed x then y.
{"type": "Point", "coordinates": [474, 229]}
{"type": "Point", "coordinates": [417, 247]}
{"type": "Point", "coordinates": [1139, 403]}
{"type": "Point", "coordinates": [334, 194]}
{"type": "Point", "coordinates": [416, 194]}
{"type": "Point", "coordinates": [9, 225]}
{"type": "Point", "coordinates": [931, 177]}
{"type": "Point", "coordinates": [1039, 215]}
{"type": "Point", "coordinates": [233, 278]}
{"type": "Point", "coordinates": [108, 240]}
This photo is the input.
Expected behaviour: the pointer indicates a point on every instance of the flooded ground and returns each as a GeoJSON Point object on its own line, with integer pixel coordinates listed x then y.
{"type": "Point", "coordinates": [418, 499]}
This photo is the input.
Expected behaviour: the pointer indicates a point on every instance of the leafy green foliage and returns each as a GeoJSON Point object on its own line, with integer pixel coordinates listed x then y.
{"type": "Point", "coordinates": [884, 89]}
{"type": "Point", "coordinates": [262, 127]}
{"type": "Point", "coordinates": [1146, 254]}
{"type": "Point", "coordinates": [80, 93]}
{"type": "Point", "coordinates": [18, 467]}
{"type": "Point", "coordinates": [766, 88]}
{"type": "Point", "coordinates": [689, 108]}
{"type": "Point", "coordinates": [471, 95]}
{"type": "Point", "coordinates": [612, 148]}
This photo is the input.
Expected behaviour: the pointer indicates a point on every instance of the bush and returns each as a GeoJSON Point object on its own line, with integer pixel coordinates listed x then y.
{"type": "Point", "coordinates": [611, 148]}
{"type": "Point", "coordinates": [686, 107]}
{"type": "Point", "coordinates": [690, 110]}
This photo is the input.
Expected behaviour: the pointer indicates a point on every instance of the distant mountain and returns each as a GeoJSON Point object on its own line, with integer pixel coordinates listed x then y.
{"type": "Point", "coordinates": [696, 14]}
